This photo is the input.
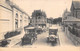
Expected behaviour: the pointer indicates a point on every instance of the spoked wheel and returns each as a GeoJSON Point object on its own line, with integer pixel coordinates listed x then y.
{"type": "Point", "coordinates": [31, 41]}
{"type": "Point", "coordinates": [55, 40]}
{"type": "Point", "coordinates": [47, 40]}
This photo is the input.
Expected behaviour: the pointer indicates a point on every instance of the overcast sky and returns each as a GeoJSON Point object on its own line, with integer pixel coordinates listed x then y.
{"type": "Point", "coordinates": [53, 8]}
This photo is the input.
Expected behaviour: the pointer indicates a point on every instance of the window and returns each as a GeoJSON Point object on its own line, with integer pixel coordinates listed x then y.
{"type": "Point", "coordinates": [21, 16]}
{"type": "Point", "coordinates": [39, 17]}
{"type": "Point", "coordinates": [38, 14]}
{"type": "Point", "coordinates": [16, 15]}
{"type": "Point", "coordinates": [35, 17]}
{"type": "Point", "coordinates": [16, 24]}
{"type": "Point", "coordinates": [20, 23]}
{"type": "Point", "coordinates": [78, 14]}
{"type": "Point", "coordinates": [36, 21]}
{"type": "Point", "coordinates": [25, 17]}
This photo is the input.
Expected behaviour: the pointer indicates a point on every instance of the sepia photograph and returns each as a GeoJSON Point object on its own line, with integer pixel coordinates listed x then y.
{"type": "Point", "coordinates": [43, 24]}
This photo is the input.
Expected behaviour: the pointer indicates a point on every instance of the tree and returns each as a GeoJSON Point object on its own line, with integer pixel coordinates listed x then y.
{"type": "Point", "coordinates": [50, 20]}
{"type": "Point", "coordinates": [57, 20]}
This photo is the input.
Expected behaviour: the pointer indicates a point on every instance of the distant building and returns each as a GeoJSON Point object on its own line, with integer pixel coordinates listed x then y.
{"type": "Point", "coordinates": [39, 19]}
{"type": "Point", "coordinates": [11, 17]}
{"type": "Point", "coordinates": [66, 14]}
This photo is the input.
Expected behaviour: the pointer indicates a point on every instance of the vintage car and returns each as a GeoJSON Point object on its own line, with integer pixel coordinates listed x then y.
{"type": "Point", "coordinates": [52, 37]}
{"type": "Point", "coordinates": [39, 30]}
{"type": "Point", "coordinates": [30, 36]}
{"type": "Point", "coordinates": [4, 42]}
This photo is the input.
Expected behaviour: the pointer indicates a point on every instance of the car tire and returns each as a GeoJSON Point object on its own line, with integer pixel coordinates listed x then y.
{"type": "Point", "coordinates": [47, 39]}
{"type": "Point", "coordinates": [56, 40]}
{"type": "Point", "coordinates": [31, 41]}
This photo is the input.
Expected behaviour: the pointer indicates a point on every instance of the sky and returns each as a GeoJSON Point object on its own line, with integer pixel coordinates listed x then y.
{"type": "Point", "coordinates": [52, 8]}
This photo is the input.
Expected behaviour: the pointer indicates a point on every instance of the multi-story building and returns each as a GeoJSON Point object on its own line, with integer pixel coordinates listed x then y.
{"type": "Point", "coordinates": [72, 17]}
{"type": "Point", "coordinates": [11, 17]}
{"type": "Point", "coordinates": [39, 19]}
{"type": "Point", "coordinates": [75, 9]}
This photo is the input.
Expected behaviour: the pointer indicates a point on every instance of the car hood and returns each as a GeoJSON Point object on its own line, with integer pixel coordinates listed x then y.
{"type": "Point", "coordinates": [53, 36]}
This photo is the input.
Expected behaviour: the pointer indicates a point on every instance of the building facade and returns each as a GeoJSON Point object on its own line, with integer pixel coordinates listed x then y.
{"type": "Point", "coordinates": [72, 17]}
{"type": "Point", "coordinates": [38, 19]}
{"type": "Point", "coordinates": [11, 17]}
{"type": "Point", "coordinates": [75, 9]}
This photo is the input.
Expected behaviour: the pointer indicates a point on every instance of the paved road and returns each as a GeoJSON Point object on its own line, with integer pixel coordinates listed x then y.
{"type": "Point", "coordinates": [42, 40]}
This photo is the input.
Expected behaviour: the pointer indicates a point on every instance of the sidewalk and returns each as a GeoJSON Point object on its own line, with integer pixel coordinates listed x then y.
{"type": "Point", "coordinates": [64, 40]}
{"type": "Point", "coordinates": [15, 39]}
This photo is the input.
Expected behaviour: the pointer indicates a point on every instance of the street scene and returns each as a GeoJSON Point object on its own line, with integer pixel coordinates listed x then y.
{"type": "Point", "coordinates": [40, 28]}
{"type": "Point", "coordinates": [42, 40]}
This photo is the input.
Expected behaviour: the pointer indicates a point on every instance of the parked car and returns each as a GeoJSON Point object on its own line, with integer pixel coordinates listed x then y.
{"type": "Point", "coordinates": [4, 42]}
{"type": "Point", "coordinates": [30, 36]}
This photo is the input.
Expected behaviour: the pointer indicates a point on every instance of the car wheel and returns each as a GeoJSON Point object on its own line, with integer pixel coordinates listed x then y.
{"type": "Point", "coordinates": [31, 41]}
{"type": "Point", "coordinates": [47, 40]}
{"type": "Point", "coordinates": [56, 40]}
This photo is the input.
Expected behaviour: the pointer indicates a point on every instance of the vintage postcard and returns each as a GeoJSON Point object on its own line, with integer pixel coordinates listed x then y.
{"type": "Point", "coordinates": [40, 25]}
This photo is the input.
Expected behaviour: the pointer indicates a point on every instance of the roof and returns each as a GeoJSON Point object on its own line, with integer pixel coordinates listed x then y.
{"type": "Point", "coordinates": [5, 5]}
{"type": "Point", "coordinates": [70, 18]}
{"type": "Point", "coordinates": [10, 3]}
{"type": "Point", "coordinates": [76, 4]}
